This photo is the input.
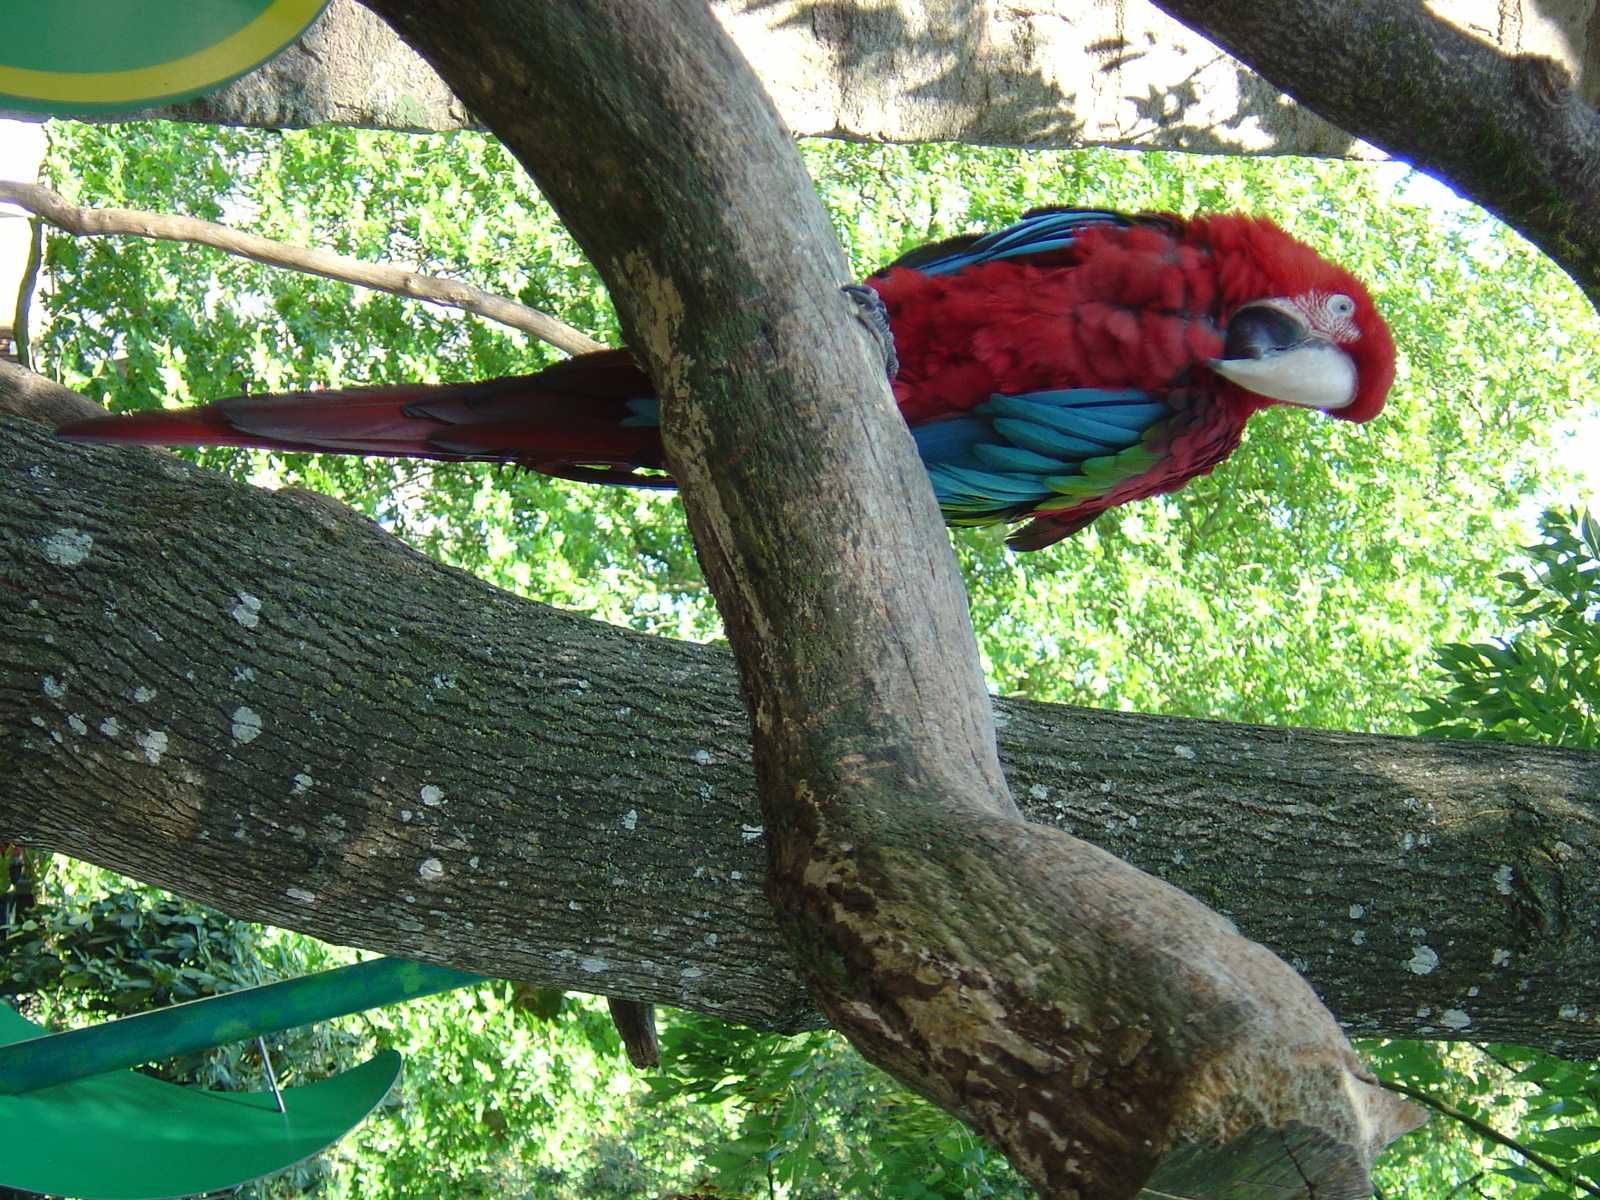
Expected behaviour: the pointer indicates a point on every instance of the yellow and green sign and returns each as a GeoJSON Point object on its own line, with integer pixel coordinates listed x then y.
{"type": "Point", "coordinates": [87, 56]}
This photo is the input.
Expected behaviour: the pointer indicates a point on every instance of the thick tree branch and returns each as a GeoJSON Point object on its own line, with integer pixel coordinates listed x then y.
{"type": "Point", "coordinates": [1030, 73]}
{"type": "Point", "coordinates": [1421, 884]}
{"type": "Point", "coordinates": [1508, 131]}
{"type": "Point", "coordinates": [26, 394]}
{"type": "Point", "coordinates": [101, 222]}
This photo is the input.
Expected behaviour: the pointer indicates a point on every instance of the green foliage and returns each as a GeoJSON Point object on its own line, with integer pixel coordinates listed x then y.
{"type": "Point", "coordinates": [125, 952]}
{"type": "Point", "coordinates": [497, 1101]}
{"type": "Point", "coordinates": [1506, 1119]}
{"type": "Point", "coordinates": [1540, 683]}
{"type": "Point", "coordinates": [816, 1122]}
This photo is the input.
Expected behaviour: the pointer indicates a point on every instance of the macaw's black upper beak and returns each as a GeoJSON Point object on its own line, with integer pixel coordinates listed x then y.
{"type": "Point", "coordinates": [1259, 330]}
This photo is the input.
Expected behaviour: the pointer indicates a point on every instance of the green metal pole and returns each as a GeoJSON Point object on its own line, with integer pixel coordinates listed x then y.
{"type": "Point", "coordinates": [217, 1020]}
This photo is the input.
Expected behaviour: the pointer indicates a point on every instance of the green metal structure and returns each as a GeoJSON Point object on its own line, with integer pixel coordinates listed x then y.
{"type": "Point", "coordinates": [75, 1122]}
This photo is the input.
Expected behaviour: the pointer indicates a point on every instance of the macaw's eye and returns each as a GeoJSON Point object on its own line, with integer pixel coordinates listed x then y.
{"type": "Point", "coordinates": [1341, 306]}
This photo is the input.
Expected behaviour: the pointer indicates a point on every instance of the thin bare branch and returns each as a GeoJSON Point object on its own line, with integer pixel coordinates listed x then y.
{"type": "Point", "coordinates": [99, 222]}
{"type": "Point", "coordinates": [1489, 1133]}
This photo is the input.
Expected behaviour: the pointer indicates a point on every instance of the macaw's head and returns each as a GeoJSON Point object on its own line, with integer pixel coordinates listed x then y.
{"type": "Point", "coordinates": [1297, 328]}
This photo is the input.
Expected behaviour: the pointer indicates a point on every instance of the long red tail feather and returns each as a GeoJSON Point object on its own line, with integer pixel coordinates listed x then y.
{"type": "Point", "coordinates": [567, 420]}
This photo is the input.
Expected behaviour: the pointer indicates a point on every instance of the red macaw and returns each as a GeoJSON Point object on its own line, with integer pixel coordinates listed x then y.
{"type": "Point", "coordinates": [1060, 367]}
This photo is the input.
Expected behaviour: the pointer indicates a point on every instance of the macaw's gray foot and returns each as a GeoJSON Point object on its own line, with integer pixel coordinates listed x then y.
{"type": "Point", "coordinates": [870, 311]}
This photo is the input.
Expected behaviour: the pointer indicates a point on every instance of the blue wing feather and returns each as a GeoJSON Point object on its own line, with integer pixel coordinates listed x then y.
{"type": "Point", "coordinates": [1044, 440]}
{"type": "Point", "coordinates": [1108, 418]}
{"type": "Point", "coordinates": [1012, 452]}
{"type": "Point", "coordinates": [1009, 458]}
{"type": "Point", "coordinates": [1039, 233]}
{"type": "Point", "coordinates": [1127, 409]}
{"type": "Point", "coordinates": [964, 490]}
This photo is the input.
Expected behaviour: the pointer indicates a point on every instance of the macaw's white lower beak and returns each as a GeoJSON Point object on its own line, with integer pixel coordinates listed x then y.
{"type": "Point", "coordinates": [1270, 351]}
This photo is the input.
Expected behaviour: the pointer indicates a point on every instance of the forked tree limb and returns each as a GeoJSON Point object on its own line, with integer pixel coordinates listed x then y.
{"type": "Point", "coordinates": [1101, 1027]}
{"type": "Point", "coordinates": [79, 221]}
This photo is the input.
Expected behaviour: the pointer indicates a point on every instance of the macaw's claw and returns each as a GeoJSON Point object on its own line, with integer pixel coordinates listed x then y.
{"type": "Point", "coordinates": [874, 314]}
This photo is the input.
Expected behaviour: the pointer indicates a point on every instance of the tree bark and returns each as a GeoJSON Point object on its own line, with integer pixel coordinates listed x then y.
{"type": "Point", "coordinates": [1426, 888]}
{"type": "Point", "coordinates": [1105, 72]}
{"type": "Point", "coordinates": [1038, 74]}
